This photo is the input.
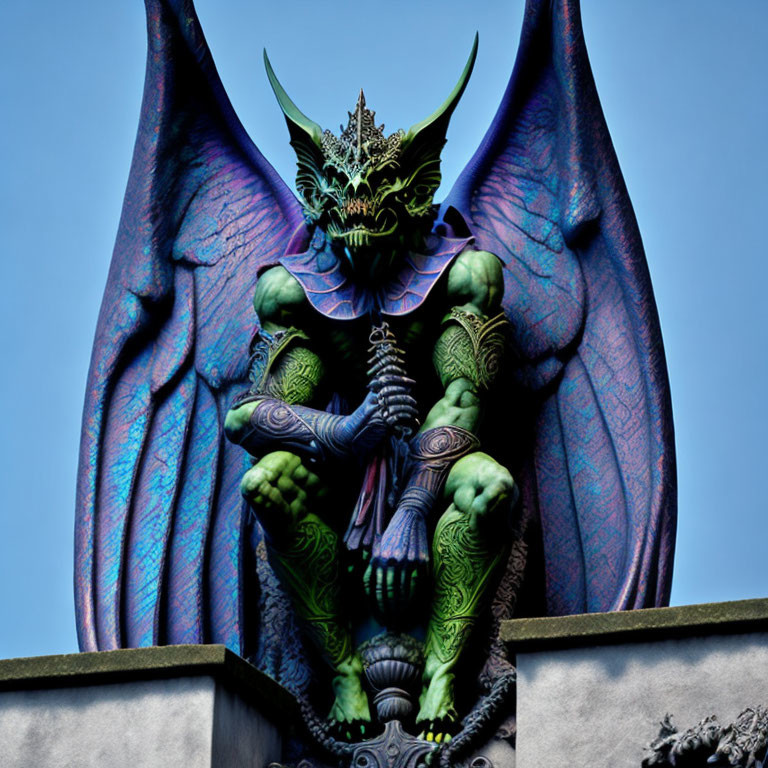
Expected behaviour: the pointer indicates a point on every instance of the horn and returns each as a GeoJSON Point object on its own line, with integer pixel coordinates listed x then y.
{"type": "Point", "coordinates": [440, 117]}
{"type": "Point", "coordinates": [293, 115]}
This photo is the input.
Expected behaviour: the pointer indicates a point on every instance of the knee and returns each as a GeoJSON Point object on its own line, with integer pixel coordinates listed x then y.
{"type": "Point", "coordinates": [480, 486]}
{"type": "Point", "coordinates": [276, 490]}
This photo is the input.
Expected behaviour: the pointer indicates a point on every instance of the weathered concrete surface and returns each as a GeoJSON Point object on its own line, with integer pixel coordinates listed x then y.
{"type": "Point", "coordinates": [734, 617]}
{"type": "Point", "coordinates": [127, 725]}
{"type": "Point", "coordinates": [599, 706]}
{"type": "Point", "coordinates": [196, 707]}
{"type": "Point", "coordinates": [242, 736]}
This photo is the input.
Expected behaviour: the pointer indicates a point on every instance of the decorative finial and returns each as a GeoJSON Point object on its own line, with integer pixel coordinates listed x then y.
{"type": "Point", "coordinates": [360, 108]}
{"type": "Point", "coordinates": [361, 141]}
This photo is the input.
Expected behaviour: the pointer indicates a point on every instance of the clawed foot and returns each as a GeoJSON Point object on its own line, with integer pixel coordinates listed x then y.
{"type": "Point", "coordinates": [438, 732]}
{"type": "Point", "coordinates": [350, 715]}
{"type": "Point", "coordinates": [437, 716]}
{"type": "Point", "coordinates": [353, 732]}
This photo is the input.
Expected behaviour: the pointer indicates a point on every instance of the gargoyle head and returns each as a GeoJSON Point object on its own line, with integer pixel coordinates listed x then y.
{"type": "Point", "coordinates": [365, 189]}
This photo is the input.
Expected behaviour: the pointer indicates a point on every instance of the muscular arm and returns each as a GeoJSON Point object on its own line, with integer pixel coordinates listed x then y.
{"type": "Point", "coordinates": [291, 373]}
{"type": "Point", "coordinates": [468, 343]}
{"type": "Point", "coordinates": [275, 416]}
{"type": "Point", "coordinates": [466, 355]}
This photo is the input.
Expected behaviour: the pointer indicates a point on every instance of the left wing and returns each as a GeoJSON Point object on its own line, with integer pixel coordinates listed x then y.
{"type": "Point", "coordinates": [544, 192]}
{"type": "Point", "coordinates": [160, 518]}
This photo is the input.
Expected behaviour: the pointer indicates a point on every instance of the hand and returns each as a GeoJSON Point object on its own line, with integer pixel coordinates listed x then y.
{"type": "Point", "coordinates": [399, 562]}
{"type": "Point", "coordinates": [398, 407]}
{"type": "Point", "coordinates": [281, 490]}
{"type": "Point", "coordinates": [364, 429]}
{"type": "Point", "coordinates": [481, 488]}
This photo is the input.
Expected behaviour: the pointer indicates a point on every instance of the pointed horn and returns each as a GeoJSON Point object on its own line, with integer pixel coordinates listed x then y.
{"type": "Point", "coordinates": [293, 115]}
{"type": "Point", "coordinates": [440, 117]}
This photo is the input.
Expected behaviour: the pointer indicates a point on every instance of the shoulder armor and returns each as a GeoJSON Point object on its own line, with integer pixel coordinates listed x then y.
{"type": "Point", "coordinates": [475, 348]}
{"type": "Point", "coordinates": [266, 348]}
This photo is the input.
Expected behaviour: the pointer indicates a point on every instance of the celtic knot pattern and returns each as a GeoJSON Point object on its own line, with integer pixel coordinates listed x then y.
{"type": "Point", "coordinates": [309, 567]}
{"type": "Point", "coordinates": [472, 347]}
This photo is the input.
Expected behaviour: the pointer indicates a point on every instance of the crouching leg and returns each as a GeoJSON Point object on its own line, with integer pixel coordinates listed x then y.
{"type": "Point", "coordinates": [468, 546]}
{"type": "Point", "coordinates": [304, 552]}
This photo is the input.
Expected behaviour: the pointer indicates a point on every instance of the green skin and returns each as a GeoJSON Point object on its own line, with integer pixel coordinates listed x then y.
{"type": "Point", "coordinates": [287, 496]}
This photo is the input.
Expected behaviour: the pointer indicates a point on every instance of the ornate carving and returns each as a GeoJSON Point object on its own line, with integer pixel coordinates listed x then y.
{"type": "Point", "coordinates": [471, 347]}
{"type": "Point", "coordinates": [432, 454]}
{"type": "Point", "coordinates": [742, 744]}
{"type": "Point", "coordinates": [361, 142]}
{"type": "Point", "coordinates": [393, 664]}
{"type": "Point", "coordinates": [284, 369]}
{"type": "Point", "coordinates": [309, 567]}
{"type": "Point", "coordinates": [463, 564]}
{"type": "Point", "coordinates": [318, 434]}
{"type": "Point", "coordinates": [393, 749]}
{"type": "Point", "coordinates": [388, 379]}
{"type": "Point", "coordinates": [206, 216]}
{"type": "Point", "coordinates": [745, 742]}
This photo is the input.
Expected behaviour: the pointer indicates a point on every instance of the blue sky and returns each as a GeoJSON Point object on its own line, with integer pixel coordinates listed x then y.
{"type": "Point", "coordinates": [682, 84]}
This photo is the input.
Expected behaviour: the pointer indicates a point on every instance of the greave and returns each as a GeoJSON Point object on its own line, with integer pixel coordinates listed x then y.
{"type": "Point", "coordinates": [308, 567]}
{"type": "Point", "coordinates": [464, 563]}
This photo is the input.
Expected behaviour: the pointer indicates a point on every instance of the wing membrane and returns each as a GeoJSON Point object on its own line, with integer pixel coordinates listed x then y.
{"type": "Point", "coordinates": [203, 213]}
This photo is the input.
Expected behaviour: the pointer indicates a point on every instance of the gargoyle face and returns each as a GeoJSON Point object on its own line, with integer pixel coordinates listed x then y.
{"type": "Point", "coordinates": [364, 191]}
{"type": "Point", "coordinates": [362, 188]}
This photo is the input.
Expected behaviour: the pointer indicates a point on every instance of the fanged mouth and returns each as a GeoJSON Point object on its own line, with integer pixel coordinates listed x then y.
{"type": "Point", "coordinates": [357, 207]}
{"type": "Point", "coordinates": [359, 236]}
{"type": "Point", "coordinates": [358, 222]}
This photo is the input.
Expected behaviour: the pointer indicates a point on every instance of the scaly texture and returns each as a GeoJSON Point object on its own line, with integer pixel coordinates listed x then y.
{"type": "Point", "coordinates": [160, 519]}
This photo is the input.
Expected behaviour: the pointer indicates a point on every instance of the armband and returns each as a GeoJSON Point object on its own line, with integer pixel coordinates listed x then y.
{"type": "Point", "coordinates": [470, 347]}
{"type": "Point", "coordinates": [282, 369]}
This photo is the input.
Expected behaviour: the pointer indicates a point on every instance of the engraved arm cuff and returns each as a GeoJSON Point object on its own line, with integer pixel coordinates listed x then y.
{"type": "Point", "coordinates": [433, 453]}
{"type": "Point", "coordinates": [276, 425]}
{"type": "Point", "coordinates": [470, 347]}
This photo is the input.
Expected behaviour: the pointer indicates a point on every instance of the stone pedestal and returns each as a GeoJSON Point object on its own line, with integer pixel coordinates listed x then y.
{"type": "Point", "coordinates": [592, 689]}
{"type": "Point", "coordinates": [185, 706]}
{"type": "Point", "coordinates": [591, 692]}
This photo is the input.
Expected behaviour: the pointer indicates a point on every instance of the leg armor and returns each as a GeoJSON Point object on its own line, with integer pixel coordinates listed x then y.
{"type": "Point", "coordinates": [469, 543]}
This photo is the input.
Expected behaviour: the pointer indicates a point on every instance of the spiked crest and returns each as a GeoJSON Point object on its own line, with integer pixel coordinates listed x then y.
{"type": "Point", "coordinates": [361, 142]}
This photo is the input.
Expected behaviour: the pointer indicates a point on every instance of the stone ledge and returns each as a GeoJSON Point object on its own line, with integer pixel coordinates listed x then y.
{"type": "Point", "coordinates": [545, 633]}
{"type": "Point", "coordinates": [129, 664]}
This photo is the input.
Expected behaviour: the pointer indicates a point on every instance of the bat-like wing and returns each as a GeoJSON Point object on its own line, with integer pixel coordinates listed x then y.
{"type": "Point", "coordinates": [159, 513]}
{"type": "Point", "coordinates": [544, 192]}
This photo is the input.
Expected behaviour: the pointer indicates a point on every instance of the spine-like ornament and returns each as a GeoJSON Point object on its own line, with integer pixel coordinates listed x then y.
{"type": "Point", "coordinates": [390, 382]}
